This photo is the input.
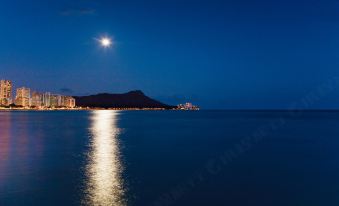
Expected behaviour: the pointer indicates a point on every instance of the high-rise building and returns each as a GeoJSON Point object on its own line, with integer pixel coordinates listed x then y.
{"type": "Point", "coordinates": [61, 101]}
{"type": "Point", "coordinates": [47, 99]}
{"type": "Point", "coordinates": [54, 100]}
{"type": "Point", "coordinates": [5, 92]}
{"type": "Point", "coordinates": [22, 97]}
{"type": "Point", "coordinates": [69, 102]}
{"type": "Point", "coordinates": [37, 99]}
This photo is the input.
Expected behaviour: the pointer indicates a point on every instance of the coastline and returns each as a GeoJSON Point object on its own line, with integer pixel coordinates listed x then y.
{"type": "Point", "coordinates": [82, 109]}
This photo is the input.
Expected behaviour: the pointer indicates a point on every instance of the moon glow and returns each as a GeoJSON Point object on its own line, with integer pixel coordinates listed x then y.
{"type": "Point", "coordinates": [105, 42]}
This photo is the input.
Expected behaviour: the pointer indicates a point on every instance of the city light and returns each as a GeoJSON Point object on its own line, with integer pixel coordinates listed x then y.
{"type": "Point", "coordinates": [26, 99]}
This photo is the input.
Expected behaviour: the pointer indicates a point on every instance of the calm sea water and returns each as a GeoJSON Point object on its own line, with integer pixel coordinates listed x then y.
{"type": "Point", "coordinates": [165, 158]}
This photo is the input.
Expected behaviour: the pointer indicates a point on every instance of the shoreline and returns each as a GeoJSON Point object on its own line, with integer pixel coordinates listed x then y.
{"type": "Point", "coordinates": [84, 109]}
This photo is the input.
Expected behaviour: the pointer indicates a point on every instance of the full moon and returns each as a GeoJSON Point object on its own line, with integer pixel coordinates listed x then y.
{"type": "Point", "coordinates": [105, 42]}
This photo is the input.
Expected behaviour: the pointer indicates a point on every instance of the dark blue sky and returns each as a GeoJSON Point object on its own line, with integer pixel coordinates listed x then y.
{"type": "Point", "coordinates": [218, 54]}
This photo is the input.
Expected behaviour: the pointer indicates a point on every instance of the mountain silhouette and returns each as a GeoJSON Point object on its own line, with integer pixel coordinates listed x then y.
{"type": "Point", "coordinates": [132, 99]}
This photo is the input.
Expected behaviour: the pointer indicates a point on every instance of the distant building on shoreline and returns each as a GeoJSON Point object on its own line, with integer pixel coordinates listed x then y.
{"type": "Point", "coordinates": [37, 99]}
{"type": "Point", "coordinates": [188, 106]}
{"type": "Point", "coordinates": [69, 102]}
{"type": "Point", "coordinates": [5, 92]}
{"type": "Point", "coordinates": [46, 99]}
{"type": "Point", "coordinates": [23, 97]}
{"type": "Point", "coordinates": [54, 101]}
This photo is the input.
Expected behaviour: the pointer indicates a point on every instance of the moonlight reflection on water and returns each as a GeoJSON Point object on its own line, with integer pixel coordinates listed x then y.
{"type": "Point", "coordinates": [104, 184]}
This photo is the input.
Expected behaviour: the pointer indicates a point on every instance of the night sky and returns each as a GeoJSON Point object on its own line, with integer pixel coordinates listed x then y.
{"type": "Point", "coordinates": [217, 54]}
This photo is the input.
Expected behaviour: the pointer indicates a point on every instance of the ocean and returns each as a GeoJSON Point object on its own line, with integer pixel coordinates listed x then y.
{"type": "Point", "coordinates": [164, 158]}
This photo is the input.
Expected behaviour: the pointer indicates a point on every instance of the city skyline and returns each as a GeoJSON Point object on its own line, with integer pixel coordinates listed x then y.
{"type": "Point", "coordinates": [27, 98]}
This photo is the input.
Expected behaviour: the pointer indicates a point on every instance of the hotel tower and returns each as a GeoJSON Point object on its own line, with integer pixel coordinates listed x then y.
{"type": "Point", "coordinates": [5, 92]}
{"type": "Point", "coordinates": [23, 96]}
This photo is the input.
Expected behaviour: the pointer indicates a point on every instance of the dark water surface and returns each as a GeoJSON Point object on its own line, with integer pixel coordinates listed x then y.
{"type": "Point", "coordinates": [165, 158]}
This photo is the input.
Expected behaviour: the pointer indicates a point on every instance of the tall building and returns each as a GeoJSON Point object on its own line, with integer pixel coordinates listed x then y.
{"type": "Point", "coordinates": [22, 97]}
{"type": "Point", "coordinates": [5, 92]}
{"type": "Point", "coordinates": [37, 99]}
{"type": "Point", "coordinates": [47, 99]}
{"type": "Point", "coordinates": [69, 102]}
{"type": "Point", "coordinates": [61, 101]}
{"type": "Point", "coordinates": [54, 100]}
